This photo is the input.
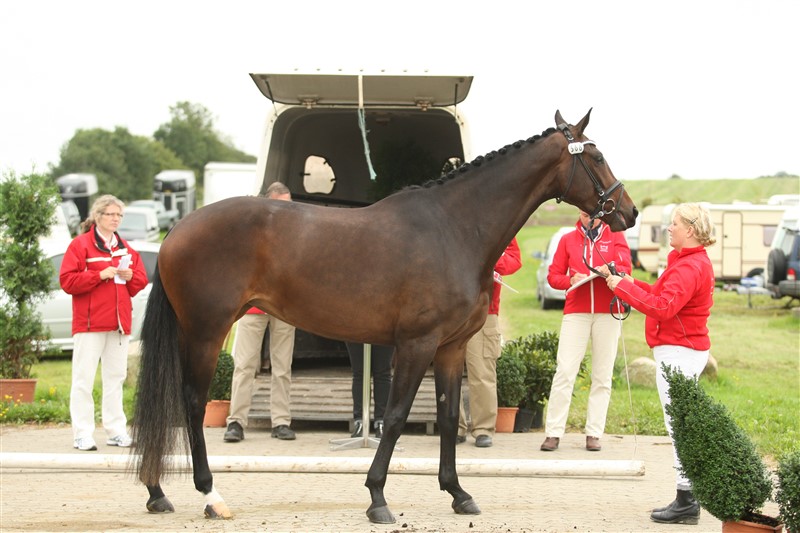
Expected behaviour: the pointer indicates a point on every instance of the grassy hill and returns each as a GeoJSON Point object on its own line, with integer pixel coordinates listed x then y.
{"type": "Point", "coordinates": [647, 192]}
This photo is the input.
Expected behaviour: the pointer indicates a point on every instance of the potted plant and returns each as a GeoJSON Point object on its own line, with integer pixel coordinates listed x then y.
{"type": "Point", "coordinates": [787, 492]}
{"type": "Point", "coordinates": [729, 478]}
{"type": "Point", "coordinates": [219, 392]}
{"type": "Point", "coordinates": [510, 390]}
{"type": "Point", "coordinates": [27, 206]}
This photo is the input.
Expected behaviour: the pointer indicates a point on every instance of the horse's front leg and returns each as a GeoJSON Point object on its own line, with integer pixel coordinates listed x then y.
{"type": "Point", "coordinates": [408, 375]}
{"type": "Point", "coordinates": [215, 507]}
{"type": "Point", "coordinates": [448, 372]}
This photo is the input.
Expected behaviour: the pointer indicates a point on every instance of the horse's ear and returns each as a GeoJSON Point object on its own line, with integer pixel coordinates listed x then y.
{"type": "Point", "coordinates": [559, 118]}
{"type": "Point", "coordinates": [584, 122]}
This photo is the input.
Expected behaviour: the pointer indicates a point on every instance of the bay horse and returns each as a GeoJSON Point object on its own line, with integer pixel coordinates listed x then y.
{"type": "Point", "coordinates": [413, 270]}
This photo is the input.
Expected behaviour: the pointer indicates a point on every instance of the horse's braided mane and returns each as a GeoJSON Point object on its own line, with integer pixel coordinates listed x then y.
{"type": "Point", "coordinates": [478, 161]}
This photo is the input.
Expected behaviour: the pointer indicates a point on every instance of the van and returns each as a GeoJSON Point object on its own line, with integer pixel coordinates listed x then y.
{"type": "Point", "coordinates": [744, 233]}
{"type": "Point", "coordinates": [348, 140]}
{"type": "Point", "coordinates": [783, 261]}
{"type": "Point", "coordinates": [315, 143]}
{"type": "Point", "coordinates": [226, 180]}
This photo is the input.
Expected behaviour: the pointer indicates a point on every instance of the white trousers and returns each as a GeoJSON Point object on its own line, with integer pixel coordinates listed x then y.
{"type": "Point", "coordinates": [689, 363]}
{"type": "Point", "coordinates": [89, 349]}
{"type": "Point", "coordinates": [247, 362]}
{"type": "Point", "coordinates": [576, 331]}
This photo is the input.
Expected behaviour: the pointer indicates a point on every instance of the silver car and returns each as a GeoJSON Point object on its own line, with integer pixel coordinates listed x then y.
{"type": "Point", "coordinates": [550, 298]}
{"type": "Point", "coordinates": [139, 224]}
{"type": "Point", "coordinates": [56, 309]}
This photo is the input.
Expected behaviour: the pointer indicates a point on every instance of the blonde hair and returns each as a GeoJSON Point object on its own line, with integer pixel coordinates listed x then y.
{"type": "Point", "coordinates": [98, 207]}
{"type": "Point", "coordinates": [698, 218]}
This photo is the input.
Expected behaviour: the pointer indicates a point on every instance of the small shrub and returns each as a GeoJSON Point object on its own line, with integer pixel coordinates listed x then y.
{"type": "Point", "coordinates": [220, 388]}
{"type": "Point", "coordinates": [510, 380]}
{"type": "Point", "coordinates": [729, 478]}
{"type": "Point", "coordinates": [787, 494]}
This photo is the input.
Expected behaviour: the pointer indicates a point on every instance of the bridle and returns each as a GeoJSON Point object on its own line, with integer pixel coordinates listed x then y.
{"type": "Point", "coordinates": [605, 204]}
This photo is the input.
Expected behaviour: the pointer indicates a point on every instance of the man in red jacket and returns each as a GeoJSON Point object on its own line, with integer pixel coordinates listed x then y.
{"type": "Point", "coordinates": [101, 272]}
{"type": "Point", "coordinates": [587, 315]}
{"type": "Point", "coordinates": [483, 350]}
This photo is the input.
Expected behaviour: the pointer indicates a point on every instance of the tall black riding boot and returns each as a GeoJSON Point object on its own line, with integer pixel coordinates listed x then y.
{"type": "Point", "coordinates": [684, 510]}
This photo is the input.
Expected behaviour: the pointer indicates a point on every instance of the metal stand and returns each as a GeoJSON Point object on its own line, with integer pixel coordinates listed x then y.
{"type": "Point", "coordinates": [364, 441]}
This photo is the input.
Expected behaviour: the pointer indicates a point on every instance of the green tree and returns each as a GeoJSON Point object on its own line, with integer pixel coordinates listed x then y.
{"type": "Point", "coordinates": [27, 206]}
{"type": "Point", "coordinates": [190, 134]}
{"type": "Point", "coordinates": [124, 164]}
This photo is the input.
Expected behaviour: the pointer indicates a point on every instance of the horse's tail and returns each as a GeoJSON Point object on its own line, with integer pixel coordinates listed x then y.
{"type": "Point", "coordinates": [160, 420]}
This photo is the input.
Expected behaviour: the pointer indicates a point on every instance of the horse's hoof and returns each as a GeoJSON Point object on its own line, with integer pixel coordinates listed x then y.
{"type": "Point", "coordinates": [160, 505]}
{"type": "Point", "coordinates": [380, 515]}
{"type": "Point", "coordinates": [466, 507]}
{"type": "Point", "coordinates": [217, 511]}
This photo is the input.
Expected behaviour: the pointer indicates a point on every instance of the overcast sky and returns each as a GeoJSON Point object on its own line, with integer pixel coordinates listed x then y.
{"type": "Point", "coordinates": [701, 89]}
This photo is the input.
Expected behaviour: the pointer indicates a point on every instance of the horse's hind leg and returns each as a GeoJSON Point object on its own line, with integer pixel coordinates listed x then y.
{"type": "Point", "coordinates": [448, 371]}
{"type": "Point", "coordinates": [409, 371]}
{"type": "Point", "coordinates": [196, 389]}
{"type": "Point", "coordinates": [158, 502]}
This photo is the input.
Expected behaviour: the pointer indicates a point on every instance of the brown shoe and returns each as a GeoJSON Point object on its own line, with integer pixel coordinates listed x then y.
{"type": "Point", "coordinates": [550, 444]}
{"type": "Point", "coordinates": [593, 444]}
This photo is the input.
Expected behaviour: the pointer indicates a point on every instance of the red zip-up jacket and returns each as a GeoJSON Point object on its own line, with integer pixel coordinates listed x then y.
{"type": "Point", "coordinates": [593, 296]}
{"type": "Point", "coordinates": [678, 304]}
{"type": "Point", "coordinates": [509, 262]}
{"type": "Point", "coordinates": [99, 305]}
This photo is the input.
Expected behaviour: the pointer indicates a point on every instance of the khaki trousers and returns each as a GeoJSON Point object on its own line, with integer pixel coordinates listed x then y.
{"type": "Point", "coordinates": [483, 350]}
{"type": "Point", "coordinates": [576, 331]}
{"type": "Point", "coordinates": [247, 361]}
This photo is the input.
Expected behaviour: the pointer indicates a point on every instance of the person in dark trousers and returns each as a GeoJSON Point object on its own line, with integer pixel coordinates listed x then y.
{"type": "Point", "coordinates": [381, 369]}
{"type": "Point", "coordinates": [677, 307]}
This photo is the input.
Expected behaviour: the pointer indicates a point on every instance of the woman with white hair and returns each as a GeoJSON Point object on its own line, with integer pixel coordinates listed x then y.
{"type": "Point", "coordinates": [677, 307]}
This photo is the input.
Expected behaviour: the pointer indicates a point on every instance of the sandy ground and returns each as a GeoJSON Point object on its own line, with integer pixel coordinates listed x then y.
{"type": "Point", "coordinates": [65, 499]}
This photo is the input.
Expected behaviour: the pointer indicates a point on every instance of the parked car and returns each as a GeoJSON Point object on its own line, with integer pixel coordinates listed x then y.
{"type": "Point", "coordinates": [56, 309]}
{"type": "Point", "coordinates": [783, 261]}
{"type": "Point", "coordinates": [166, 217]}
{"type": "Point", "coordinates": [139, 224]}
{"type": "Point", "coordinates": [73, 216]}
{"type": "Point", "coordinates": [550, 298]}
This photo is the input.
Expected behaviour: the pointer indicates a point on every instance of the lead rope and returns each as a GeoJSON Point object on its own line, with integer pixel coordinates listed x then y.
{"type": "Point", "coordinates": [628, 379]}
{"type": "Point", "coordinates": [362, 124]}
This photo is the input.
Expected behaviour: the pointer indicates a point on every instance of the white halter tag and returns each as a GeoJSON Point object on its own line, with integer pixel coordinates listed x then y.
{"type": "Point", "coordinates": [577, 147]}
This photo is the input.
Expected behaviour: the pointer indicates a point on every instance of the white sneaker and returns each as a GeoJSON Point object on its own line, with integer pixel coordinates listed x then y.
{"type": "Point", "coordinates": [85, 444]}
{"type": "Point", "coordinates": [123, 441]}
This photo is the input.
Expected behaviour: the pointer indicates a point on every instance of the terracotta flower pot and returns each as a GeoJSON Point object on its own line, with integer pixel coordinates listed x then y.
{"type": "Point", "coordinates": [743, 526]}
{"type": "Point", "coordinates": [14, 390]}
{"type": "Point", "coordinates": [505, 419]}
{"type": "Point", "coordinates": [216, 413]}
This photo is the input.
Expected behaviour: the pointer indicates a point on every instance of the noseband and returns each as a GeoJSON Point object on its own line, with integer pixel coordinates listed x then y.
{"type": "Point", "coordinates": [605, 204]}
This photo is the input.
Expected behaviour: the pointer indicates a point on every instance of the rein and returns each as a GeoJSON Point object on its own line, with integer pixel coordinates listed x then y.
{"type": "Point", "coordinates": [617, 308]}
{"type": "Point", "coordinates": [576, 149]}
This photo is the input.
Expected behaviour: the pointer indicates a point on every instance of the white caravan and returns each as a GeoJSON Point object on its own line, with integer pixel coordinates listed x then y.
{"type": "Point", "coordinates": [744, 234]}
